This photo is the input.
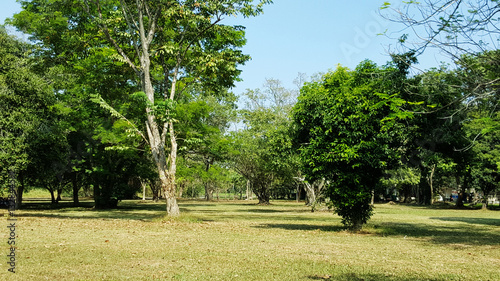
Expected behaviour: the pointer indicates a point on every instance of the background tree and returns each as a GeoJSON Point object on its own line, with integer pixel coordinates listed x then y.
{"type": "Point", "coordinates": [26, 115]}
{"type": "Point", "coordinates": [256, 148]}
{"type": "Point", "coordinates": [456, 29]}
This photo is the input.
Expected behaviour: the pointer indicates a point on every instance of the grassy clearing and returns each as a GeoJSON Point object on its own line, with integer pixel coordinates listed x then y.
{"type": "Point", "coordinates": [238, 240]}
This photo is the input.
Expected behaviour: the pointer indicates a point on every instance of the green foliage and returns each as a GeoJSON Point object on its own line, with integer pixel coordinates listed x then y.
{"type": "Point", "coordinates": [262, 150]}
{"type": "Point", "coordinates": [347, 129]}
{"type": "Point", "coordinates": [28, 125]}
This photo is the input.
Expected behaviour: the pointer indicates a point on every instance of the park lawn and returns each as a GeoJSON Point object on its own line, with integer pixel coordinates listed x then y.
{"type": "Point", "coordinates": [239, 240]}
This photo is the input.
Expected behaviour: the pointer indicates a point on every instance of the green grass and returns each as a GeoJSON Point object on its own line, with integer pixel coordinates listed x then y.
{"type": "Point", "coordinates": [239, 240]}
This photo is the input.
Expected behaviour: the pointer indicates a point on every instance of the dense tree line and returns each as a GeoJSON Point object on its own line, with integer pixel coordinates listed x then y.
{"type": "Point", "coordinates": [110, 97]}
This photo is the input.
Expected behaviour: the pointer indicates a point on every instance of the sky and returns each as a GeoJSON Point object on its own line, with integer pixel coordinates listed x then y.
{"type": "Point", "coordinates": [305, 36]}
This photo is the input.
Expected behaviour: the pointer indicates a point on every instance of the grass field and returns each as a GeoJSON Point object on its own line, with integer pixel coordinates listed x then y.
{"type": "Point", "coordinates": [239, 240]}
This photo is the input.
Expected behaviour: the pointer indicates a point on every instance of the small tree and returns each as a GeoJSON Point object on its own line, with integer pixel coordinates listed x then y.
{"type": "Point", "coordinates": [346, 126]}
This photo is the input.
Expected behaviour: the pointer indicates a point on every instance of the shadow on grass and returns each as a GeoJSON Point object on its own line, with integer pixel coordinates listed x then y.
{"type": "Point", "coordinates": [126, 210]}
{"type": "Point", "coordinates": [374, 277]}
{"type": "Point", "coordinates": [263, 211]}
{"type": "Point", "coordinates": [441, 234]}
{"type": "Point", "coordinates": [483, 221]}
{"type": "Point", "coordinates": [304, 227]}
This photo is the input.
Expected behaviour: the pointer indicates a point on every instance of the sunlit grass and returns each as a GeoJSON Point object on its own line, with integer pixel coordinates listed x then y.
{"type": "Point", "coordinates": [239, 240]}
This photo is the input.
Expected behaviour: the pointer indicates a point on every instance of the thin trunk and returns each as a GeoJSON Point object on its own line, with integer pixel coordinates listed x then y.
{"type": "Point", "coordinates": [208, 191]}
{"type": "Point", "coordinates": [97, 196]}
{"type": "Point", "coordinates": [297, 195]}
{"type": "Point", "coordinates": [430, 182]}
{"type": "Point", "coordinates": [248, 190]}
{"type": "Point", "coordinates": [181, 190]}
{"type": "Point", "coordinates": [19, 190]}
{"type": "Point", "coordinates": [76, 188]}
{"type": "Point", "coordinates": [461, 191]}
{"type": "Point", "coordinates": [143, 184]}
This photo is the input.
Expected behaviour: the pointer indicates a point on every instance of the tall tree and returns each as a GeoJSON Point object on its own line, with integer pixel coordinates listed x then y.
{"type": "Point", "coordinates": [180, 39]}
{"type": "Point", "coordinates": [168, 45]}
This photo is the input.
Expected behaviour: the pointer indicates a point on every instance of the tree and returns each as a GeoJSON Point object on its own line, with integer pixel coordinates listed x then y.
{"type": "Point", "coordinates": [256, 153]}
{"type": "Point", "coordinates": [455, 27]}
{"type": "Point", "coordinates": [168, 45]}
{"type": "Point", "coordinates": [26, 117]}
{"type": "Point", "coordinates": [482, 128]}
{"type": "Point", "coordinates": [203, 121]}
{"type": "Point", "coordinates": [459, 29]}
{"type": "Point", "coordinates": [347, 128]}
{"type": "Point", "coordinates": [182, 37]}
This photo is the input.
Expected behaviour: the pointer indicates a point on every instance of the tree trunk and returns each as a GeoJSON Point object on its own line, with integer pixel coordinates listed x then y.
{"type": "Point", "coordinates": [52, 196]}
{"type": "Point", "coordinates": [297, 195]}
{"type": "Point", "coordinates": [356, 226]}
{"type": "Point", "coordinates": [248, 190]}
{"type": "Point", "coordinates": [143, 184]}
{"type": "Point", "coordinates": [485, 200]}
{"type": "Point", "coordinates": [157, 140]}
{"type": "Point", "coordinates": [209, 196]}
{"type": "Point", "coordinates": [172, 206]}
{"type": "Point", "coordinates": [263, 198]}
{"type": "Point", "coordinates": [424, 191]}
{"type": "Point", "coordinates": [169, 192]}
{"type": "Point", "coordinates": [465, 185]}
{"type": "Point", "coordinates": [19, 191]}
{"type": "Point", "coordinates": [260, 189]}
{"type": "Point", "coordinates": [430, 179]}
{"type": "Point", "coordinates": [59, 192]}
{"type": "Point", "coordinates": [485, 204]}
{"type": "Point", "coordinates": [460, 199]}
{"type": "Point", "coordinates": [181, 190]}
{"type": "Point", "coordinates": [310, 194]}
{"type": "Point", "coordinates": [74, 182]}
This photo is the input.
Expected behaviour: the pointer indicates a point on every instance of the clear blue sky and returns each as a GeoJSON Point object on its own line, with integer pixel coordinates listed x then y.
{"type": "Point", "coordinates": [306, 36]}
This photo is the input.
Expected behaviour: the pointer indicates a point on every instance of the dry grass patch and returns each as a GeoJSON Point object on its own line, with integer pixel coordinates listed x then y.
{"type": "Point", "coordinates": [238, 240]}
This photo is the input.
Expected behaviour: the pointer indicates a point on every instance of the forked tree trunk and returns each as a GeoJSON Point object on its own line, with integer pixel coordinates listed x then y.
{"type": "Point", "coordinates": [157, 142]}
{"type": "Point", "coordinates": [208, 192]}
{"type": "Point", "coordinates": [52, 196]}
{"type": "Point", "coordinates": [310, 194]}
